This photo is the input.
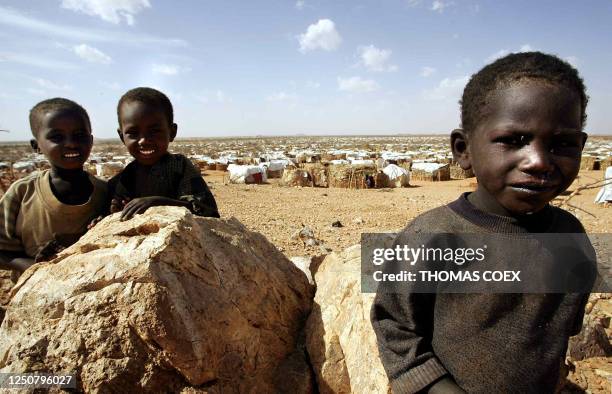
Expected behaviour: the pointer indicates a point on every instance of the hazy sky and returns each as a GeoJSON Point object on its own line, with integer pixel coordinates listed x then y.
{"type": "Point", "coordinates": [286, 67]}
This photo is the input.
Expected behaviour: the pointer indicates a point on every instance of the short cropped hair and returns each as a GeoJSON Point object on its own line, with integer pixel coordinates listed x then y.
{"type": "Point", "coordinates": [54, 104]}
{"type": "Point", "coordinates": [513, 68]}
{"type": "Point", "coordinates": [148, 96]}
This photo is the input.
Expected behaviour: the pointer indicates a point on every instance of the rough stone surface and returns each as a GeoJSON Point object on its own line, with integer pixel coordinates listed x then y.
{"type": "Point", "coordinates": [339, 336]}
{"type": "Point", "coordinates": [594, 338]}
{"type": "Point", "coordinates": [163, 302]}
{"type": "Point", "coordinates": [7, 281]}
{"type": "Point", "coordinates": [588, 355]}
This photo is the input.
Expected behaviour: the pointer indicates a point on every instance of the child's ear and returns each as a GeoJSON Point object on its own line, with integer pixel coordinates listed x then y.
{"type": "Point", "coordinates": [173, 130]}
{"type": "Point", "coordinates": [459, 147]}
{"type": "Point", "coordinates": [34, 145]}
{"type": "Point", "coordinates": [120, 135]}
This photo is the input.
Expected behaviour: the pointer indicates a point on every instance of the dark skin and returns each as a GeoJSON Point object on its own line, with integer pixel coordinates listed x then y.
{"type": "Point", "coordinates": [146, 132]}
{"type": "Point", "coordinates": [65, 138]}
{"type": "Point", "coordinates": [526, 151]}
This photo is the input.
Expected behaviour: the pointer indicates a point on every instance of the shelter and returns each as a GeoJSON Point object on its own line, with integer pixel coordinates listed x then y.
{"type": "Point", "coordinates": [318, 174]}
{"type": "Point", "coordinates": [296, 177]}
{"type": "Point", "coordinates": [456, 172]}
{"type": "Point", "coordinates": [246, 174]}
{"type": "Point", "coordinates": [275, 168]}
{"type": "Point", "coordinates": [109, 169]}
{"type": "Point", "coordinates": [430, 171]}
{"type": "Point", "coordinates": [351, 176]}
{"type": "Point", "coordinates": [605, 194]}
{"type": "Point", "coordinates": [398, 176]}
{"type": "Point", "coordinates": [590, 163]}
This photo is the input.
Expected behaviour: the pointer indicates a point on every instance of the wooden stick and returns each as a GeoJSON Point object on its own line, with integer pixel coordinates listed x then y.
{"type": "Point", "coordinates": [580, 209]}
{"type": "Point", "coordinates": [592, 185]}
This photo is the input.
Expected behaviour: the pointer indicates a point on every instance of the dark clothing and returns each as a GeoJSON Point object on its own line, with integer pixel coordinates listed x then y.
{"type": "Point", "coordinates": [173, 176]}
{"type": "Point", "coordinates": [488, 343]}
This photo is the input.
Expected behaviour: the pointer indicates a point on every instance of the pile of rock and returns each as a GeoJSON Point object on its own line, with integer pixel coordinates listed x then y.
{"type": "Point", "coordinates": [170, 302]}
{"type": "Point", "coordinates": [165, 301]}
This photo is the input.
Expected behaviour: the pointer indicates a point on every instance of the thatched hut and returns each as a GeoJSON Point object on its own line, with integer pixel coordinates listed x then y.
{"type": "Point", "coordinates": [350, 176]}
{"type": "Point", "coordinates": [296, 177]}
{"type": "Point", "coordinates": [590, 163]}
{"type": "Point", "coordinates": [456, 172]}
{"type": "Point", "coordinates": [430, 172]}
{"type": "Point", "coordinates": [318, 174]}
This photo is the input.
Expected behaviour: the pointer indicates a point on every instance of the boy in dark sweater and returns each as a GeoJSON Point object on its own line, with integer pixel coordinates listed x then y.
{"type": "Point", "coordinates": [522, 119]}
{"type": "Point", "coordinates": [155, 177]}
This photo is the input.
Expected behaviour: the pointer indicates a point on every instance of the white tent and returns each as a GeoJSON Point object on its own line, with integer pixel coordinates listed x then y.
{"type": "Point", "coordinates": [427, 167]}
{"type": "Point", "coordinates": [109, 169]}
{"type": "Point", "coordinates": [398, 176]}
{"type": "Point", "coordinates": [605, 194]}
{"type": "Point", "coordinates": [360, 162]}
{"type": "Point", "coordinates": [24, 166]}
{"type": "Point", "coordinates": [246, 174]}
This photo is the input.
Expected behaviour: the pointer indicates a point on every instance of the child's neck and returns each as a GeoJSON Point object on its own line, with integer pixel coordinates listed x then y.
{"type": "Point", "coordinates": [70, 176]}
{"type": "Point", "coordinates": [71, 187]}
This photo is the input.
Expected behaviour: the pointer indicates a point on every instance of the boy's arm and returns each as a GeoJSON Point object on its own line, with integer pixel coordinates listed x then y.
{"type": "Point", "coordinates": [403, 324]}
{"type": "Point", "coordinates": [403, 319]}
{"type": "Point", "coordinates": [15, 261]}
{"type": "Point", "coordinates": [194, 191]}
{"type": "Point", "coordinates": [12, 255]}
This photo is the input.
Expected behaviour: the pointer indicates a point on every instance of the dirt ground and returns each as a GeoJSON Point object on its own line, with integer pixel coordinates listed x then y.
{"type": "Point", "coordinates": [278, 212]}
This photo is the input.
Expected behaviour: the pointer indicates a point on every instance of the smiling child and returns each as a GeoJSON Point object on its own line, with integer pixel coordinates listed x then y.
{"type": "Point", "coordinates": [46, 211]}
{"type": "Point", "coordinates": [155, 177]}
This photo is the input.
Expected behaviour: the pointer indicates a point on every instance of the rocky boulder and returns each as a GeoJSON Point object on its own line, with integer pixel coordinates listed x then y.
{"type": "Point", "coordinates": [340, 339]}
{"type": "Point", "coordinates": [166, 301]}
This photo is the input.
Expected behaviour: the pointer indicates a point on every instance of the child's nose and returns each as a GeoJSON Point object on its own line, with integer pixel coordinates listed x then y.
{"type": "Point", "coordinates": [70, 142]}
{"type": "Point", "coordinates": [536, 159]}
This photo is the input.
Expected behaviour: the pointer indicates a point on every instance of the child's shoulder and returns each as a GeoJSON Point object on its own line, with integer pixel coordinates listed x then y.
{"type": "Point", "coordinates": [178, 163]}
{"type": "Point", "coordinates": [564, 222]}
{"type": "Point", "coordinates": [25, 184]}
{"type": "Point", "coordinates": [437, 220]}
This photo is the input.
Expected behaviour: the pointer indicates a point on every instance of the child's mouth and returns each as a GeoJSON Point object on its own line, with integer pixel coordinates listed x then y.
{"type": "Point", "coordinates": [146, 152]}
{"type": "Point", "coordinates": [71, 155]}
{"type": "Point", "coordinates": [534, 188]}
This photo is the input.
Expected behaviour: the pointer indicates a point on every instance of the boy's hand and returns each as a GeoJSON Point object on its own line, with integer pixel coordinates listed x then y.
{"type": "Point", "coordinates": [118, 204]}
{"type": "Point", "coordinates": [94, 222]}
{"type": "Point", "coordinates": [139, 205]}
{"type": "Point", "coordinates": [21, 264]}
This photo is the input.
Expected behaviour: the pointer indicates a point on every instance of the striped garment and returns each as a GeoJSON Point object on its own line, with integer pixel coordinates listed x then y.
{"type": "Point", "coordinates": [173, 176]}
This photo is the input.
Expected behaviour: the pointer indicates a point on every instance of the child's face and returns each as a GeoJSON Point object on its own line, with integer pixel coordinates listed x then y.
{"type": "Point", "coordinates": [64, 137]}
{"type": "Point", "coordinates": [527, 149]}
{"type": "Point", "coordinates": [145, 131]}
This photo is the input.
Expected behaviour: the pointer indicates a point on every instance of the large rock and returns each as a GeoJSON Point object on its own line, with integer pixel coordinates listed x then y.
{"type": "Point", "coordinates": [164, 302]}
{"type": "Point", "coordinates": [589, 353]}
{"type": "Point", "coordinates": [7, 281]}
{"type": "Point", "coordinates": [339, 336]}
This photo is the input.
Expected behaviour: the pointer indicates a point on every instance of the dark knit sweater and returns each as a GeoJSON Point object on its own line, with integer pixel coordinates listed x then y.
{"type": "Point", "coordinates": [488, 343]}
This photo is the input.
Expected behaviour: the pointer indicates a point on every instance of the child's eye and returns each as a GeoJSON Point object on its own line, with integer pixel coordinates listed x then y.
{"type": "Point", "coordinates": [571, 147]}
{"type": "Point", "coordinates": [512, 140]}
{"type": "Point", "coordinates": [55, 138]}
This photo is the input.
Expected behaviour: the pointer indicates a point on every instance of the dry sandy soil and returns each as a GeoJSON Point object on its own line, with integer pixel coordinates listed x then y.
{"type": "Point", "coordinates": [278, 212]}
